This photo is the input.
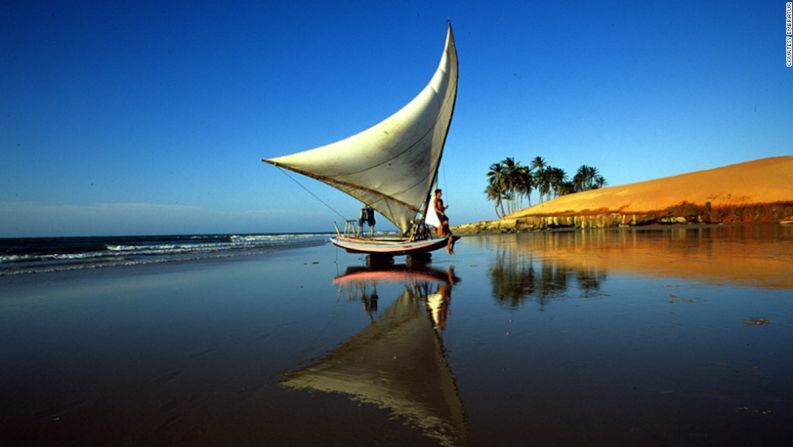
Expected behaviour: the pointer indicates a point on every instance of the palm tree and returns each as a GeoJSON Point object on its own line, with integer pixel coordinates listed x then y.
{"type": "Point", "coordinates": [493, 192]}
{"type": "Point", "coordinates": [510, 181]}
{"type": "Point", "coordinates": [567, 187]}
{"type": "Point", "coordinates": [584, 178]}
{"type": "Point", "coordinates": [495, 186]}
{"type": "Point", "coordinates": [538, 163]}
{"type": "Point", "coordinates": [557, 179]}
{"type": "Point", "coordinates": [588, 177]}
{"type": "Point", "coordinates": [524, 183]}
{"type": "Point", "coordinates": [540, 180]}
{"type": "Point", "coordinates": [600, 182]}
{"type": "Point", "coordinates": [544, 181]}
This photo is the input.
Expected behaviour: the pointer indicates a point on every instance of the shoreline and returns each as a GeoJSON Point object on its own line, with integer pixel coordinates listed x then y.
{"type": "Point", "coordinates": [683, 214]}
{"type": "Point", "coordinates": [35, 256]}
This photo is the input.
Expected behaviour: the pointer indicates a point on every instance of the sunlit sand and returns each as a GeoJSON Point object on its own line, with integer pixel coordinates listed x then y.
{"type": "Point", "coordinates": [763, 181]}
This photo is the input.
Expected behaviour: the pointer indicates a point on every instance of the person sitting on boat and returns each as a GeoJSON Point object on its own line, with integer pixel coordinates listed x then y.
{"type": "Point", "coordinates": [367, 216]}
{"type": "Point", "coordinates": [443, 230]}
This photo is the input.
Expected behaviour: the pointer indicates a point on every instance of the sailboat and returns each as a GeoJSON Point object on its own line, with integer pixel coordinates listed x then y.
{"type": "Point", "coordinates": [391, 166]}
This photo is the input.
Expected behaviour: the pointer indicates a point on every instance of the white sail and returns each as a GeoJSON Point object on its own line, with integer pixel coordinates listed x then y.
{"type": "Point", "coordinates": [392, 165]}
{"type": "Point", "coordinates": [431, 217]}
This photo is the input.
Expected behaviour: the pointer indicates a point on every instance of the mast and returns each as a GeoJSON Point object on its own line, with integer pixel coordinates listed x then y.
{"type": "Point", "coordinates": [450, 36]}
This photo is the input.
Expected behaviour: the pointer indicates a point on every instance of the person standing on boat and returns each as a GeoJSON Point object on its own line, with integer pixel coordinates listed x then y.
{"type": "Point", "coordinates": [367, 216]}
{"type": "Point", "coordinates": [443, 230]}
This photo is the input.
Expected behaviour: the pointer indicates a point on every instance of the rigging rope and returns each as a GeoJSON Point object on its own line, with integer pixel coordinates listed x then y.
{"type": "Point", "coordinates": [445, 189]}
{"type": "Point", "coordinates": [314, 195]}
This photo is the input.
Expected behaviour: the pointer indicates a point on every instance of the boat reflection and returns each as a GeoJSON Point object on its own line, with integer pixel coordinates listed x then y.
{"type": "Point", "coordinates": [397, 362]}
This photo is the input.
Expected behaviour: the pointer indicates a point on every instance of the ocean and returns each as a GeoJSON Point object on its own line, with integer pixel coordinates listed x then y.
{"type": "Point", "coordinates": [654, 336]}
{"type": "Point", "coordinates": [52, 254]}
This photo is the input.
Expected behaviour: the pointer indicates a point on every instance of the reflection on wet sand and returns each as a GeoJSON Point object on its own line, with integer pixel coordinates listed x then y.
{"type": "Point", "coordinates": [397, 362]}
{"type": "Point", "coordinates": [759, 255]}
{"type": "Point", "coordinates": [517, 275]}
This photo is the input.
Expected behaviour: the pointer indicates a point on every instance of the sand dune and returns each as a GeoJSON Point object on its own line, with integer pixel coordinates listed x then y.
{"type": "Point", "coordinates": [763, 181]}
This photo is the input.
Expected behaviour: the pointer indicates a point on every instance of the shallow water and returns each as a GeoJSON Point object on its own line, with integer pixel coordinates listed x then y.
{"type": "Point", "coordinates": [25, 256]}
{"type": "Point", "coordinates": [650, 337]}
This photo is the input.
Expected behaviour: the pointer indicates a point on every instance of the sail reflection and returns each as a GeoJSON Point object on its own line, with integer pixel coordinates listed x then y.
{"type": "Point", "coordinates": [397, 362]}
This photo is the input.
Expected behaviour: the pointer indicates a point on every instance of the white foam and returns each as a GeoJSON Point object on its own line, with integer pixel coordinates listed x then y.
{"type": "Point", "coordinates": [13, 258]}
{"type": "Point", "coordinates": [120, 254]}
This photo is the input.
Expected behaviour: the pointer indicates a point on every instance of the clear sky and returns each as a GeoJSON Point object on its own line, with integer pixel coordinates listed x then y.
{"type": "Point", "coordinates": [146, 118]}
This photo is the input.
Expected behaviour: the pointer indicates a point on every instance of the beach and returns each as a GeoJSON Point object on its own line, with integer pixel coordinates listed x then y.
{"type": "Point", "coordinates": [648, 336]}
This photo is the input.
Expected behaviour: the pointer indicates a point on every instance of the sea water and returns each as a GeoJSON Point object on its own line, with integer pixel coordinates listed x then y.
{"type": "Point", "coordinates": [52, 254]}
{"type": "Point", "coordinates": [655, 336]}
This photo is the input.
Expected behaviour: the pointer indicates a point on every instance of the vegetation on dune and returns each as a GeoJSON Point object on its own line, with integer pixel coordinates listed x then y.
{"type": "Point", "coordinates": [509, 183]}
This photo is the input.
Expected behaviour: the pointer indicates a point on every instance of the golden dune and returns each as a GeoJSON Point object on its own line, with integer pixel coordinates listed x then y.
{"type": "Point", "coordinates": [764, 181]}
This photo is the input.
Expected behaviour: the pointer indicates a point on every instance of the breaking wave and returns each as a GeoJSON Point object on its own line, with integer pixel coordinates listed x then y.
{"type": "Point", "coordinates": [37, 255]}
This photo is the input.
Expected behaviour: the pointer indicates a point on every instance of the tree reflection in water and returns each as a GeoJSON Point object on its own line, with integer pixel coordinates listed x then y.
{"type": "Point", "coordinates": [520, 271]}
{"type": "Point", "coordinates": [756, 255]}
{"type": "Point", "coordinates": [552, 265]}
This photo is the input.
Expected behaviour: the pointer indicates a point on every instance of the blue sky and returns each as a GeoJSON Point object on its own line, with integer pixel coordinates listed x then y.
{"type": "Point", "coordinates": [148, 118]}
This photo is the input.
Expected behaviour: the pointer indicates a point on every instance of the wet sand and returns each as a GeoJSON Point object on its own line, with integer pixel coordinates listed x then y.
{"type": "Point", "coordinates": [621, 337]}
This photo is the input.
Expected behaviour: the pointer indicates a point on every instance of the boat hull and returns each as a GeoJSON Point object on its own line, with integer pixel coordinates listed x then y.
{"type": "Point", "coordinates": [390, 247]}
